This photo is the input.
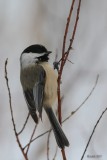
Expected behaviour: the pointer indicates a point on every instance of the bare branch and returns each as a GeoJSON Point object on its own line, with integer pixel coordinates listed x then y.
{"type": "Point", "coordinates": [48, 140]}
{"type": "Point", "coordinates": [24, 125]}
{"type": "Point", "coordinates": [63, 154]}
{"type": "Point", "coordinates": [38, 137]}
{"type": "Point", "coordinates": [74, 31]}
{"type": "Point", "coordinates": [11, 110]}
{"type": "Point", "coordinates": [70, 61]}
{"type": "Point", "coordinates": [65, 54]}
{"type": "Point", "coordinates": [31, 138]}
{"type": "Point", "coordinates": [98, 121]}
{"type": "Point", "coordinates": [9, 94]}
{"type": "Point", "coordinates": [55, 153]}
{"type": "Point", "coordinates": [67, 27]}
{"type": "Point", "coordinates": [64, 59]}
{"type": "Point", "coordinates": [72, 113]}
{"type": "Point", "coordinates": [97, 78]}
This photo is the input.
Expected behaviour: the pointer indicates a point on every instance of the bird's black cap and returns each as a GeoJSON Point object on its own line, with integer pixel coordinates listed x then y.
{"type": "Point", "coordinates": [36, 48]}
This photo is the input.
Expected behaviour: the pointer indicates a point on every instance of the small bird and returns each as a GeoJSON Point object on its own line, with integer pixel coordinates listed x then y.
{"type": "Point", "coordinates": [39, 83]}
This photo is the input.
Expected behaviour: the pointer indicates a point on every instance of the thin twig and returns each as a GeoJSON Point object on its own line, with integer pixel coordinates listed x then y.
{"type": "Point", "coordinates": [97, 78]}
{"type": "Point", "coordinates": [48, 140]}
{"type": "Point", "coordinates": [93, 133]}
{"type": "Point", "coordinates": [73, 112]}
{"type": "Point", "coordinates": [38, 137]}
{"type": "Point", "coordinates": [55, 153]}
{"type": "Point", "coordinates": [11, 110]}
{"type": "Point", "coordinates": [24, 124]}
{"type": "Point", "coordinates": [9, 94]}
{"type": "Point", "coordinates": [31, 138]}
{"type": "Point", "coordinates": [70, 61]}
{"type": "Point", "coordinates": [65, 55]}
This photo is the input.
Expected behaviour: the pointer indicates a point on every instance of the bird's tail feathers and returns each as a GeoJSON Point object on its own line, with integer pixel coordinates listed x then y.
{"type": "Point", "coordinates": [61, 139]}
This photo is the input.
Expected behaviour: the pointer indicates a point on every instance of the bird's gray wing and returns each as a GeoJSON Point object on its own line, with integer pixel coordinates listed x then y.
{"type": "Point", "coordinates": [38, 90]}
{"type": "Point", "coordinates": [31, 104]}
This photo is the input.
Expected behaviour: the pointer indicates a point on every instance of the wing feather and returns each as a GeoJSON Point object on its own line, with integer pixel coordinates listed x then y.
{"type": "Point", "coordinates": [33, 82]}
{"type": "Point", "coordinates": [31, 104]}
{"type": "Point", "coordinates": [38, 91]}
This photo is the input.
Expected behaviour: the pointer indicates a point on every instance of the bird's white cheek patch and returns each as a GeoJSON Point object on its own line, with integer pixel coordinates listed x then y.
{"type": "Point", "coordinates": [27, 59]}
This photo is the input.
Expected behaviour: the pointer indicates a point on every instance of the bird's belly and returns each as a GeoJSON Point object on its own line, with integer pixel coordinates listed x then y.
{"type": "Point", "coordinates": [50, 90]}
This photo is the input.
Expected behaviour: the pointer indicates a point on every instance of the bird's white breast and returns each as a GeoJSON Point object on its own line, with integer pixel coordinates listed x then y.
{"type": "Point", "coordinates": [27, 59]}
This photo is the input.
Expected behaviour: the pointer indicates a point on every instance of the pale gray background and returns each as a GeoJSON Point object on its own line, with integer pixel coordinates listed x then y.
{"type": "Point", "coordinates": [26, 22]}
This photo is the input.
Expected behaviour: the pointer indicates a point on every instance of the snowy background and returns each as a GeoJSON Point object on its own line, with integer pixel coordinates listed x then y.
{"type": "Point", "coordinates": [26, 22]}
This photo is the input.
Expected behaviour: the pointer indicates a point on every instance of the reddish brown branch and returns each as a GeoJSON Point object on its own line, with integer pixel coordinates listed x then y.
{"type": "Point", "coordinates": [59, 102]}
{"type": "Point", "coordinates": [31, 138]}
{"type": "Point", "coordinates": [64, 59]}
{"type": "Point", "coordinates": [63, 154]}
{"type": "Point", "coordinates": [65, 54]}
{"type": "Point", "coordinates": [7, 83]}
{"type": "Point", "coordinates": [11, 110]}
{"type": "Point", "coordinates": [67, 27]}
{"type": "Point", "coordinates": [74, 31]}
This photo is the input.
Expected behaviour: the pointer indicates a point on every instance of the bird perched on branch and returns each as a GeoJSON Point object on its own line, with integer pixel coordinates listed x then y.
{"type": "Point", "coordinates": [39, 83]}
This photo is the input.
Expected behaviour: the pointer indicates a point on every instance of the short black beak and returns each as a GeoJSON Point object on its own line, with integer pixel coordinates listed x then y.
{"type": "Point", "coordinates": [48, 52]}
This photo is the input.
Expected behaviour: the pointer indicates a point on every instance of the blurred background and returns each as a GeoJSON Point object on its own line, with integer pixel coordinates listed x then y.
{"type": "Point", "coordinates": [26, 22]}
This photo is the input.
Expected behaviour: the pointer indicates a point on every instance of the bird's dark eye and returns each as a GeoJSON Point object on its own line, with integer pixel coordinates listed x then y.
{"type": "Point", "coordinates": [39, 58]}
{"type": "Point", "coordinates": [42, 58]}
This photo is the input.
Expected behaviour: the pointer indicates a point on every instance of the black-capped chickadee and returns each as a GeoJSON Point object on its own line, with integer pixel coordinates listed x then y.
{"type": "Point", "coordinates": [39, 83]}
